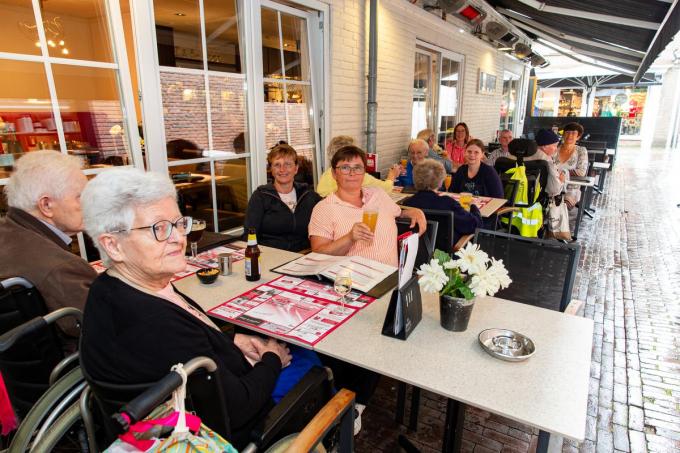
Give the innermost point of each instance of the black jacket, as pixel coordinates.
(275, 224)
(131, 337)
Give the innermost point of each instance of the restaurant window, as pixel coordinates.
(287, 78)
(436, 91)
(204, 108)
(61, 84)
(509, 101)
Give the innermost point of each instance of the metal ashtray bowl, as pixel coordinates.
(507, 344)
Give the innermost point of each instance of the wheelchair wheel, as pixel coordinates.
(53, 402)
(65, 435)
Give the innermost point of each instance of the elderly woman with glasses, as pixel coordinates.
(336, 226)
(137, 325)
(280, 212)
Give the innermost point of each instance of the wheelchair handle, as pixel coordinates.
(151, 398)
(8, 339)
(16, 281)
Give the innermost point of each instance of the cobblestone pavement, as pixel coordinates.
(629, 277)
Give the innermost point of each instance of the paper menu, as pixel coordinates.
(366, 273)
(292, 308)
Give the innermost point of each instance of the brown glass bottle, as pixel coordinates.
(252, 255)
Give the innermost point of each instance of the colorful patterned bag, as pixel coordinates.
(187, 434)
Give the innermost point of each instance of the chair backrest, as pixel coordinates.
(26, 365)
(426, 242)
(445, 233)
(542, 271)
(534, 170)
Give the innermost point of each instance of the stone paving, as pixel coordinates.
(629, 277)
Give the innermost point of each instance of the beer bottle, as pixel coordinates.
(252, 255)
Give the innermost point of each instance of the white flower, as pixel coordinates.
(498, 270)
(432, 277)
(472, 259)
(484, 283)
(451, 264)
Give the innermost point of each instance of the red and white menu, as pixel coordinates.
(291, 307)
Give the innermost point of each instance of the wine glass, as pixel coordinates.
(447, 181)
(197, 228)
(343, 284)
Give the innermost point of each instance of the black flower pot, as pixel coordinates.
(455, 312)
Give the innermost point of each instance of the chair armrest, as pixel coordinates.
(462, 242)
(574, 306)
(323, 421)
(294, 401)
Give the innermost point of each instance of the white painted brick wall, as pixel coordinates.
(400, 25)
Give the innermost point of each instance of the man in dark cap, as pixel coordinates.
(547, 142)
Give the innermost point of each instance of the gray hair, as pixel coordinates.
(419, 142)
(428, 175)
(40, 173)
(337, 142)
(110, 200)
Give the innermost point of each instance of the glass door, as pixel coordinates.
(288, 95)
(509, 101)
(425, 73)
(449, 96)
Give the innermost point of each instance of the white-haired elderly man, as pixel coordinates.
(43, 195)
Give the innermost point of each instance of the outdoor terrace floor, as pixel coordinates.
(629, 277)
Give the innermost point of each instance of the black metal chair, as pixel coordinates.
(426, 242)
(445, 232)
(542, 271)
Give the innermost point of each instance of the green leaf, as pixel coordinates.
(441, 256)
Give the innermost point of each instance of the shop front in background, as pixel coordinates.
(626, 102)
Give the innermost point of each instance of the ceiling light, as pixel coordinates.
(505, 48)
(180, 14)
(461, 30)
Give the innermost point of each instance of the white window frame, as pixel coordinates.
(450, 55)
(514, 126)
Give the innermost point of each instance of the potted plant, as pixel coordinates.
(459, 281)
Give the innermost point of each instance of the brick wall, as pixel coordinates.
(396, 53)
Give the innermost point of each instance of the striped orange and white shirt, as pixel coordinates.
(333, 218)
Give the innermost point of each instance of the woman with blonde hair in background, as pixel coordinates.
(327, 184)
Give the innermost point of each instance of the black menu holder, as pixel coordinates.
(411, 310)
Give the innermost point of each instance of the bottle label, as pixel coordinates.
(248, 267)
(252, 239)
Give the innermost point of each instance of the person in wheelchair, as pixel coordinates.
(43, 195)
(137, 325)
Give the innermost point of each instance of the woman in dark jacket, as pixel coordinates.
(428, 176)
(280, 212)
(475, 176)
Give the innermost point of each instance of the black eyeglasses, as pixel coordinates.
(348, 169)
(163, 228)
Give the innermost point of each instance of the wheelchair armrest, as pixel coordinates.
(462, 242)
(340, 405)
(291, 403)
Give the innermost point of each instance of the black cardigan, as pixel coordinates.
(131, 337)
(275, 224)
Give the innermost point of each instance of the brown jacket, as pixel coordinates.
(29, 249)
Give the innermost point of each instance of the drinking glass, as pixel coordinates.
(465, 200)
(343, 284)
(447, 181)
(197, 229)
(370, 218)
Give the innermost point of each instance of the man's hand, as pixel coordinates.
(417, 217)
(571, 202)
(393, 172)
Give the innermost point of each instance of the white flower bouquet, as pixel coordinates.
(472, 274)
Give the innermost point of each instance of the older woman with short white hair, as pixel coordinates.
(137, 325)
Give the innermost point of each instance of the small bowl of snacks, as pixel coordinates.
(208, 275)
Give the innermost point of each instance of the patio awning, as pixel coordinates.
(627, 34)
(600, 81)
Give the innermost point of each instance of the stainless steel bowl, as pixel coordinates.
(507, 344)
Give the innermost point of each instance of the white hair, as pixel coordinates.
(40, 173)
(110, 200)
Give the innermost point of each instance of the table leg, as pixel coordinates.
(401, 402)
(453, 429)
(415, 407)
(543, 441)
(579, 215)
